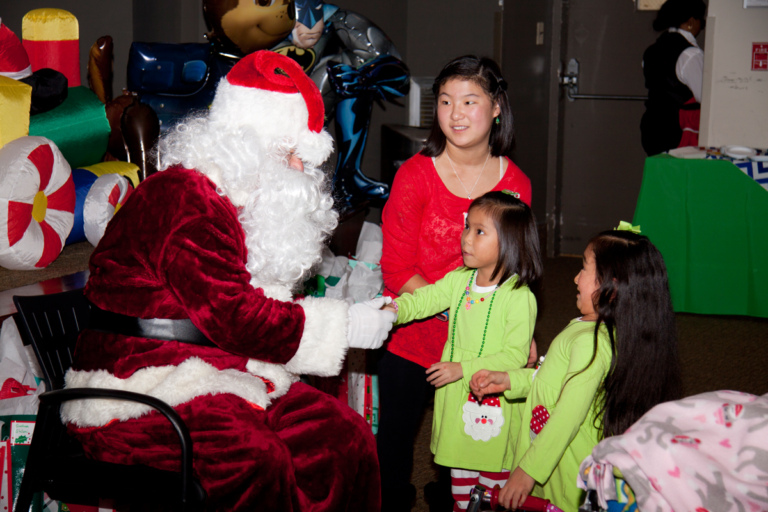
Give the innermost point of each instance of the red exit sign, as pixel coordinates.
(759, 56)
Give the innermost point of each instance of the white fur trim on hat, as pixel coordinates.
(274, 116)
(14, 61)
(18, 75)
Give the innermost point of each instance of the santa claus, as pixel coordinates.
(192, 286)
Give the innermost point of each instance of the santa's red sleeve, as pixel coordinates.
(177, 250)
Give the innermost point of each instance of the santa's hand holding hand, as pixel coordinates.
(369, 325)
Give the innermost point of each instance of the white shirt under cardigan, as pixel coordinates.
(690, 64)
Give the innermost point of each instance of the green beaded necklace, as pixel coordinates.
(456, 319)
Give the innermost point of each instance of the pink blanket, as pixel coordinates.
(705, 453)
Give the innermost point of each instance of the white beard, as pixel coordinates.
(287, 220)
(287, 215)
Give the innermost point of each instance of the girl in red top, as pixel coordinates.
(463, 158)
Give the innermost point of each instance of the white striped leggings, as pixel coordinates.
(462, 482)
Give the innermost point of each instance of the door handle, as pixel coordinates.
(570, 80)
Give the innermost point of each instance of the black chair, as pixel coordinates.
(56, 462)
(51, 324)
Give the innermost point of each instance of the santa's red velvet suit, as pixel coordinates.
(262, 440)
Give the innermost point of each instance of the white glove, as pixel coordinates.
(369, 325)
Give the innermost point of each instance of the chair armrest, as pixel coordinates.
(185, 439)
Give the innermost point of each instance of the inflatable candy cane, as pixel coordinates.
(108, 193)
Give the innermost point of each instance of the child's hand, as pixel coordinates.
(486, 382)
(441, 374)
(389, 305)
(518, 487)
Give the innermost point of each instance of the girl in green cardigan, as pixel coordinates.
(601, 373)
(492, 316)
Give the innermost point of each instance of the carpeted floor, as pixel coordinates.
(74, 258)
(717, 352)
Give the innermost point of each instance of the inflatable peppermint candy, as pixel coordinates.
(108, 193)
(37, 203)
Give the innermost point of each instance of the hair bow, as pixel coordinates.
(626, 226)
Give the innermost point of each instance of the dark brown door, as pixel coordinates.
(583, 155)
(600, 157)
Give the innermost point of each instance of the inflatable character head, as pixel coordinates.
(309, 23)
(244, 26)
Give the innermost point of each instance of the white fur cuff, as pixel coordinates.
(173, 384)
(324, 342)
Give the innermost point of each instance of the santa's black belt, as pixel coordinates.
(165, 329)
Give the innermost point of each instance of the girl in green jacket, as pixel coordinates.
(601, 373)
(492, 316)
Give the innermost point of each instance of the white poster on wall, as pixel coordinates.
(755, 3)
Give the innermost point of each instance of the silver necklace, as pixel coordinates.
(469, 192)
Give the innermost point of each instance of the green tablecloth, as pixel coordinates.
(710, 222)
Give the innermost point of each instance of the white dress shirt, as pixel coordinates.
(690, 64)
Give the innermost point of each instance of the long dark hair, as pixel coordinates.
(674, 13)
(515, 225)
(633, 302)
(485, 73)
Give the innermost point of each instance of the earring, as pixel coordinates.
(498, 121)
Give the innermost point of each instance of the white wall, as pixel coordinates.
(735, 99)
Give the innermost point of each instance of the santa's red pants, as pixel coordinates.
(306, 452)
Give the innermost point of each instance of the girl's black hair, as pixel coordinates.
(674, 13)
(485, 73)
(515, 224)
(633, 302)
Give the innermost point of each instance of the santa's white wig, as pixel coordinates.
(287, 214)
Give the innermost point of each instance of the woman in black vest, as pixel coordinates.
(673, 70)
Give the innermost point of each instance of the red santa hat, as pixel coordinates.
(272, 95)
(491, 401)
(14, 61)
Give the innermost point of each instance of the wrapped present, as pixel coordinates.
(362, 388)
(354, 279)
(16, 434)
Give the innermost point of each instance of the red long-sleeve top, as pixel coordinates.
(422, 223)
